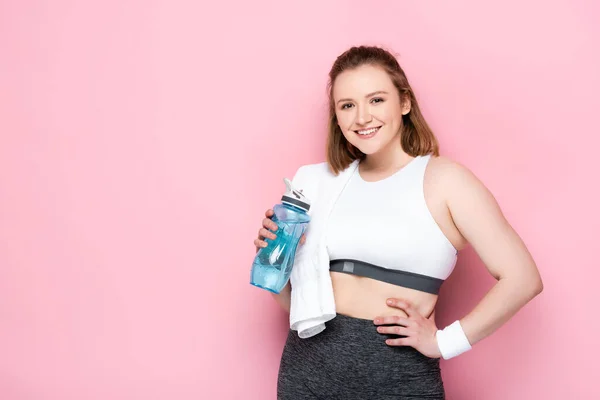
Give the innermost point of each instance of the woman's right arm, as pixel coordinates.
(284, 297)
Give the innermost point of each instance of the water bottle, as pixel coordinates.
(273, 264)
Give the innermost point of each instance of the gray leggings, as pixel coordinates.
(350, 360)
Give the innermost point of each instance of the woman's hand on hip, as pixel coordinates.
(419, 331)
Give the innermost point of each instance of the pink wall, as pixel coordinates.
(142, 141)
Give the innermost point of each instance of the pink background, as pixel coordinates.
(141, 142)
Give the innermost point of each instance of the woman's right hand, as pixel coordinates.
(266, 231)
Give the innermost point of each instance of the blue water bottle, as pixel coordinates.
(273, 264)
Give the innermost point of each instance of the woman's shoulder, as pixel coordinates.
(445, 169)
(458, 183)
(309, 175)
(313, 169)
(308, 178)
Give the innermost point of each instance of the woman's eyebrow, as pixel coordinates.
(367, 96)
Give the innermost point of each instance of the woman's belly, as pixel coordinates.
(365, 298)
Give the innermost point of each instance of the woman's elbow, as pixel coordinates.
(538, 286)
(534, 286)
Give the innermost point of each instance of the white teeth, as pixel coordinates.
(368, 131)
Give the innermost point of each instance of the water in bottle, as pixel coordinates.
(273, 264)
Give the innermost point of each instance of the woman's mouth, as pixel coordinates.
(367, 133)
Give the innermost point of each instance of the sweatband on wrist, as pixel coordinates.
(452, 340)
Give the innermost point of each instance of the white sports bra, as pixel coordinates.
(384, 230)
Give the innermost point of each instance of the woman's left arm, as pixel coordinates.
(478, 217)
(480, 220)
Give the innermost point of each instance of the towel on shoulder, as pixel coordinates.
(312, 301)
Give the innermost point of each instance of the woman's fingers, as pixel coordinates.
(393, 320)
(405, 341)
(265, 234)
(269, 224)
(265, 231)
(394, 330)
(303, 239)
(405, 306)
(259, 243)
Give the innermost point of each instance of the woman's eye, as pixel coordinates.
(377, 100)
(346, 106)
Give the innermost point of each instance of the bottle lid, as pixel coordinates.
(294, 197)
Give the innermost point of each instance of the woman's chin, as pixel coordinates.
(379, 145)
(369, 150)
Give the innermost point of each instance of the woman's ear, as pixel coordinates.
(406, 104)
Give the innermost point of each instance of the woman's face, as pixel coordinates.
(368, 108)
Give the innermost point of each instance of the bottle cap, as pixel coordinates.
(294, 197)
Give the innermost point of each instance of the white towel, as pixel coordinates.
(312, 300)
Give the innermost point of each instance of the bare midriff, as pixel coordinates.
(365, 298)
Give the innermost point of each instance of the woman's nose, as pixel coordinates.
(364, 116)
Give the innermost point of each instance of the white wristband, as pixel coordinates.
(452, 341)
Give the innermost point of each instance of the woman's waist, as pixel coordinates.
(363, 297)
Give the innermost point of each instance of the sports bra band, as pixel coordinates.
(407, 279)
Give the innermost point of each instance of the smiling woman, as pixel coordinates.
(394, 230)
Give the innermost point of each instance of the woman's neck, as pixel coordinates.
(389, 159)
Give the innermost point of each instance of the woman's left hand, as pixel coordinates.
(419, 331)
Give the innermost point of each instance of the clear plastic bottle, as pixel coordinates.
(273, 264)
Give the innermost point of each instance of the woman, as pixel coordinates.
(393, 236)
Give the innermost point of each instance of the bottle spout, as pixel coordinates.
(294, 196)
